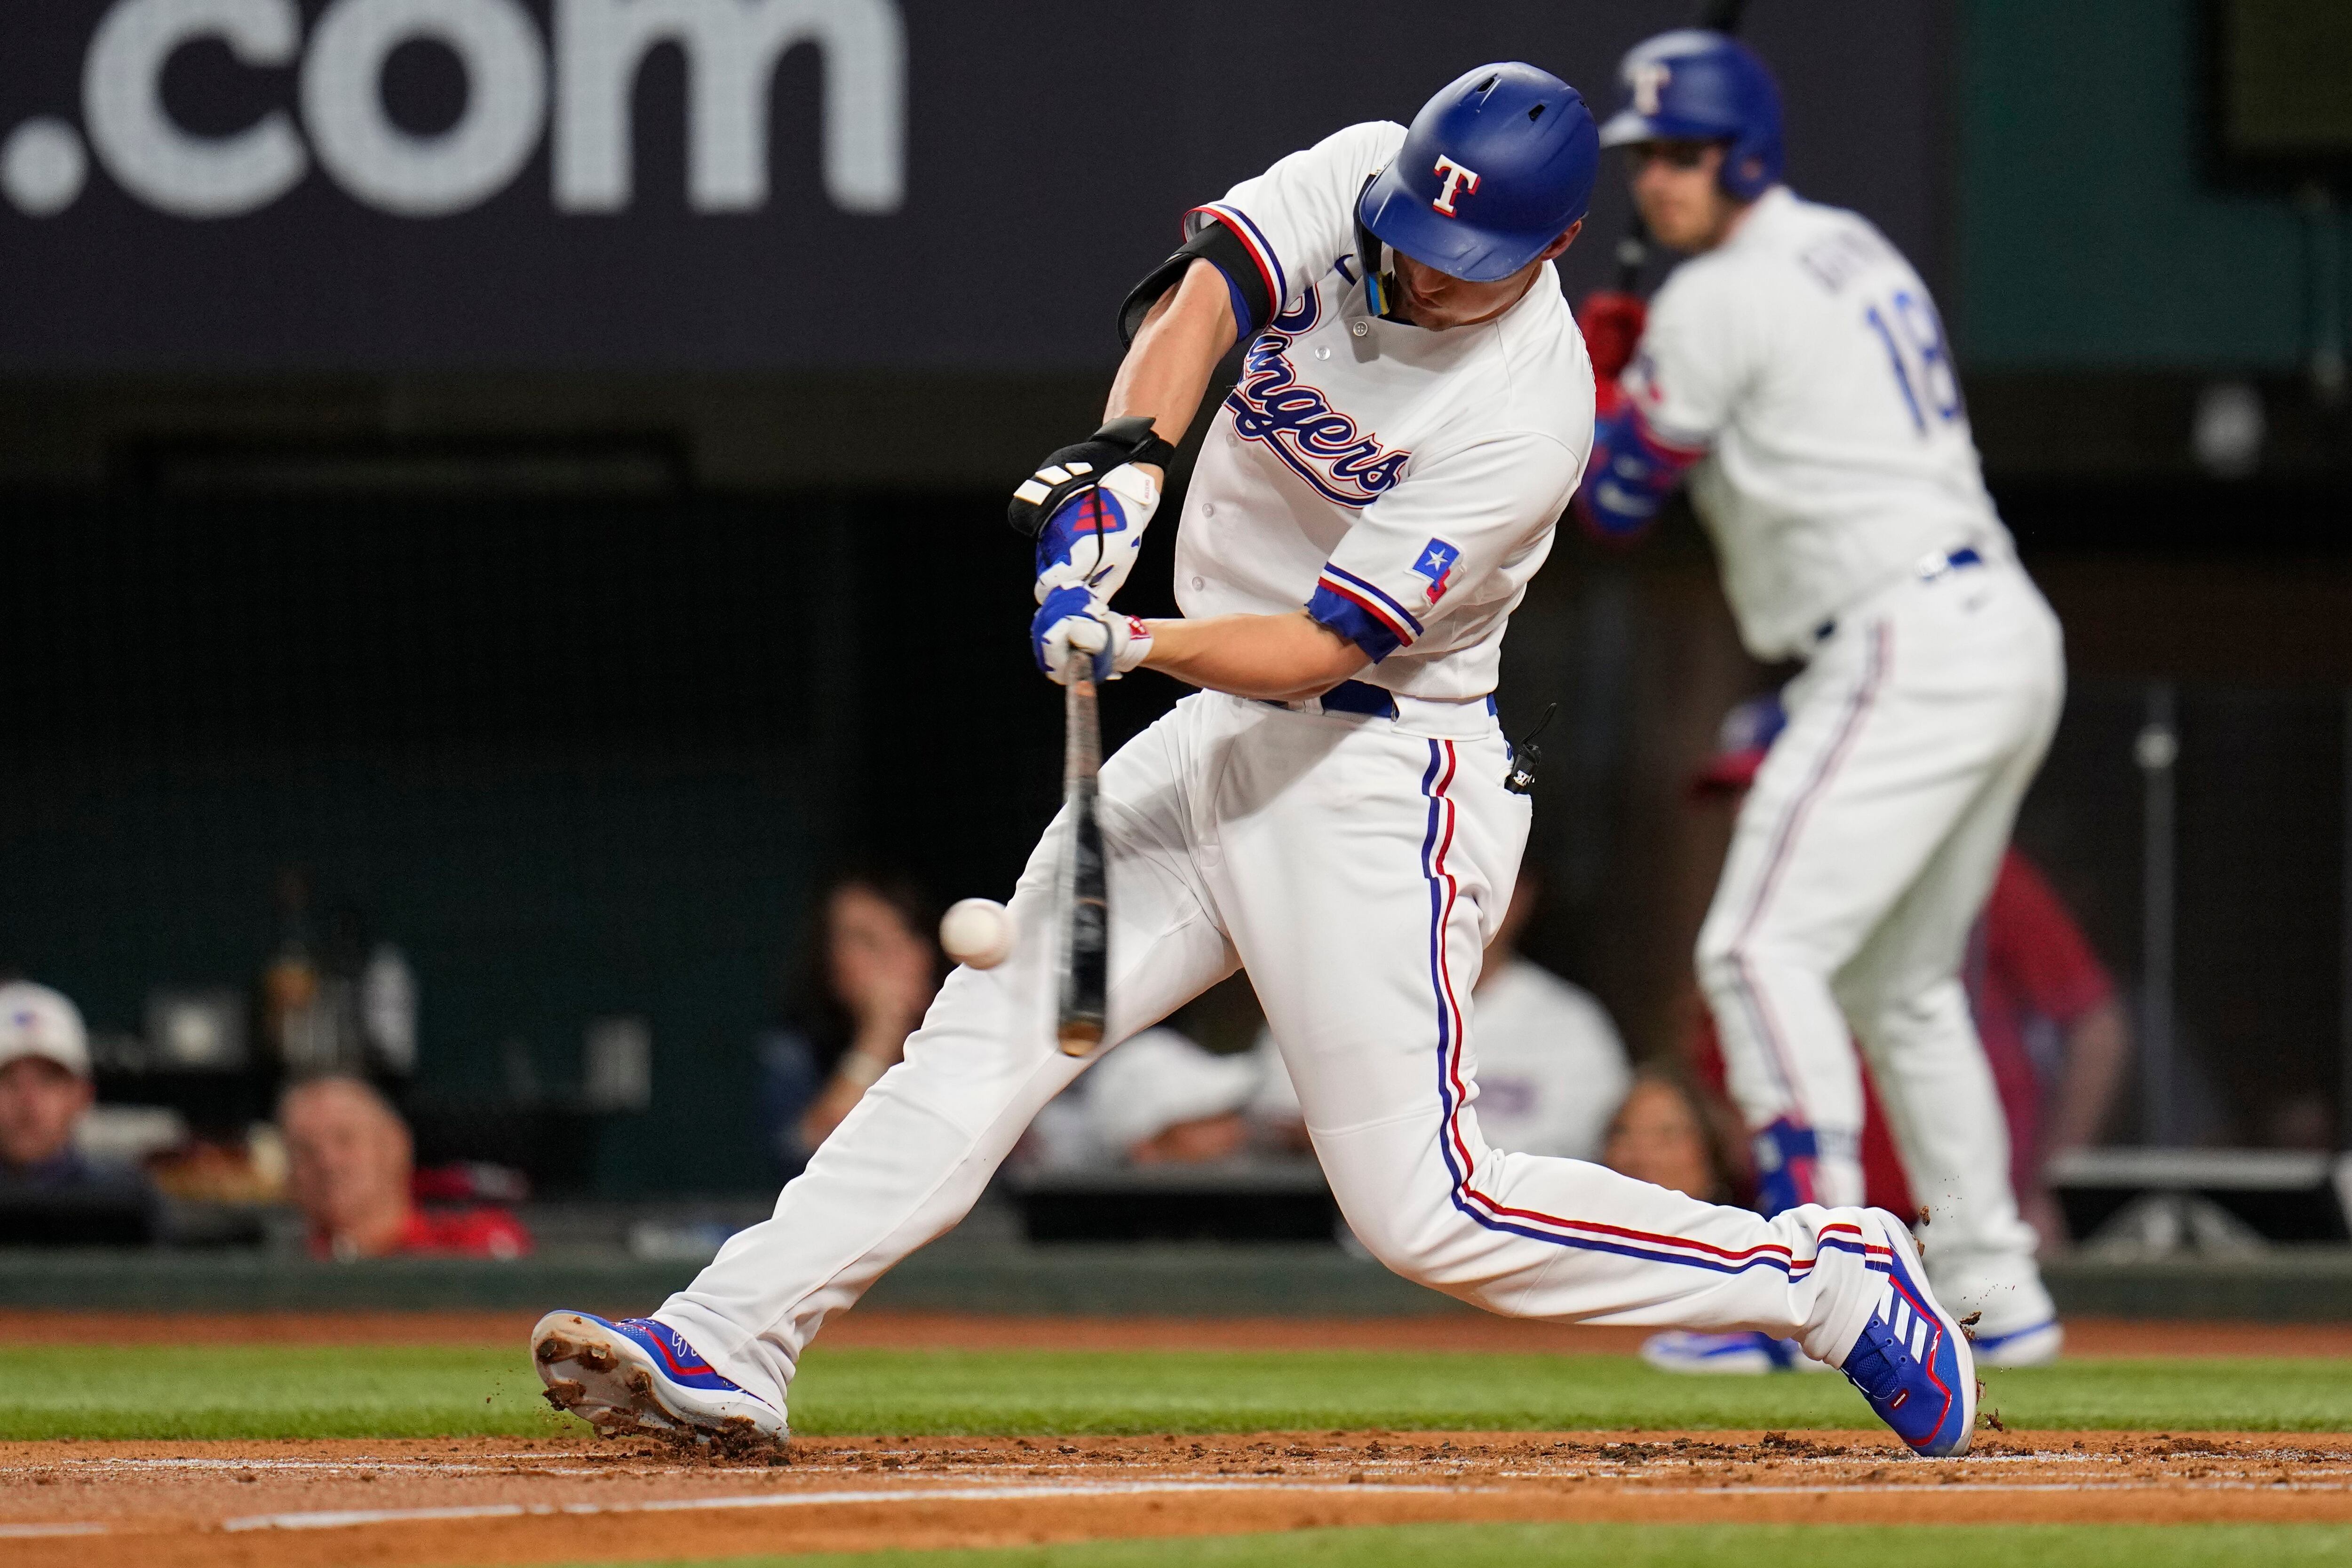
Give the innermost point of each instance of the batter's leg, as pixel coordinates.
(1360, 877)
(909, 1162)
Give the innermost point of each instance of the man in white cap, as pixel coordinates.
(1159, 1099)
(45, 1092)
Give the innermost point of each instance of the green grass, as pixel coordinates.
(165, 1392)
(265, 1391)
(1652, 1546)
(916, 1392)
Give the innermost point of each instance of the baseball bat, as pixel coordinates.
(1086, 901)
(1633, 247)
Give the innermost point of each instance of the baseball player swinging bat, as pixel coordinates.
(1330, 810)
(1634, 250)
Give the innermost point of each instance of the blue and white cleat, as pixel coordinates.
(639, 1376)
(1913, 1362)
(2036, 1346)
(1750, 1353)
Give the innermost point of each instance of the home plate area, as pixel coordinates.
(498, 1501)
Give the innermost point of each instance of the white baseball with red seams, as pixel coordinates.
(1403, 484)
(977, 932)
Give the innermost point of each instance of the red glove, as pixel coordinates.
(1612, 324)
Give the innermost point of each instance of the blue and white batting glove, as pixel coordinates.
(1092, 538)
(1073, 618)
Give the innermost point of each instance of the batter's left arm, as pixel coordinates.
(1273, 658)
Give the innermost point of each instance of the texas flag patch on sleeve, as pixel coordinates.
(1436, 563)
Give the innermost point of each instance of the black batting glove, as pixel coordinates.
(1073, 469)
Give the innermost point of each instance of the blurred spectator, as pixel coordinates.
(2054, 1031)
(1161, 1100)
(1660, 1134)
(2304, 1121)
(1551, 1066)
(868, 976)
(1158, 1099)
(44, 1093)
(1274, 1108)
(350, 1169)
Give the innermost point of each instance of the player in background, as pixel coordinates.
(2046, 1011)
(1794, 372)
(1332, 809)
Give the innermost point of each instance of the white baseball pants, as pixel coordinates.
(1356, 865)
(1858, 866)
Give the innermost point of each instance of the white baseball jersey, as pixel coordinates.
(1403, 484)
(1805, 355)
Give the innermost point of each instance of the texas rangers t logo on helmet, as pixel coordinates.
(1647, 79)
(1459, 182)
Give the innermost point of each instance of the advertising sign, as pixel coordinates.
(256, 184)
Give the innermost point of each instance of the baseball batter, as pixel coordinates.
(1330, 810)
(1795, 369)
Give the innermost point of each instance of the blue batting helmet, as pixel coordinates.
(1495, 168)
(1696, 86)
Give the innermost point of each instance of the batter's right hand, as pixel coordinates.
(1073, 618)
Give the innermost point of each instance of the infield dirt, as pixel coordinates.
(382, 1503)
(508, 1500)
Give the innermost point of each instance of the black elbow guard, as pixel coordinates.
(1254, 304)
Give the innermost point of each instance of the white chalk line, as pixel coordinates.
(354, 1518)
(306, 1466)
(348, 1518)
(37, 1531)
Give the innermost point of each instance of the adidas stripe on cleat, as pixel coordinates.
(640, 1377)
(1912, 1362)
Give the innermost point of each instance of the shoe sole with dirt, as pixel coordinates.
(595, 1375)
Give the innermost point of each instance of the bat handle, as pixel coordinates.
(1079, 1024)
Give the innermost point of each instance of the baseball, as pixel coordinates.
(977, 932)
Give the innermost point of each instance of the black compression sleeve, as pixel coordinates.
(1219, 245)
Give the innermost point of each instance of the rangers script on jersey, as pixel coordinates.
(1403, 484)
